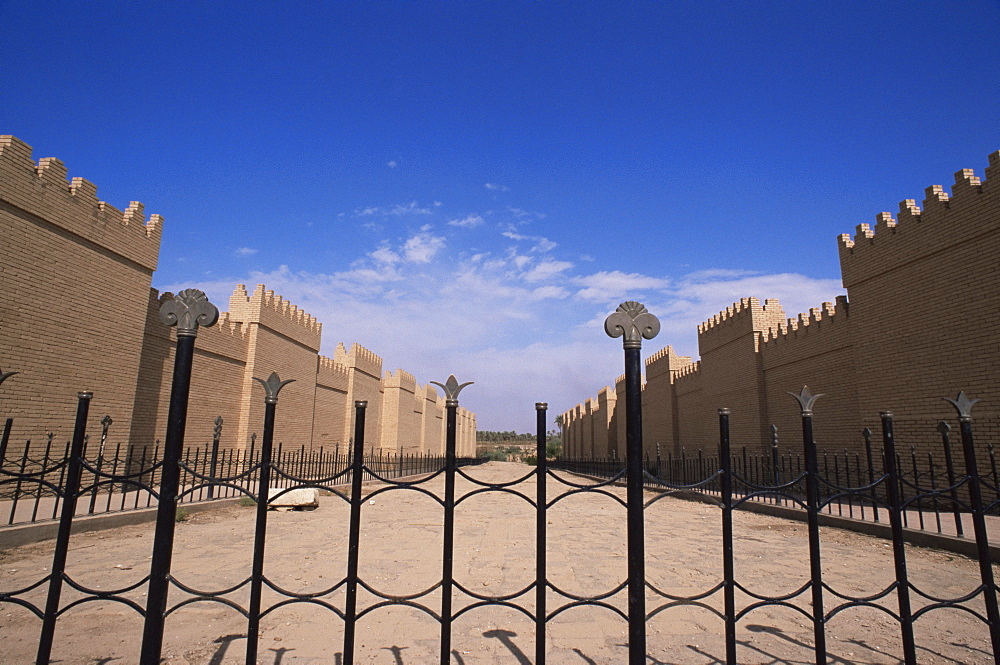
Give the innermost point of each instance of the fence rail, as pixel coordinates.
(805, 483)
(32, 484)
(933, 497)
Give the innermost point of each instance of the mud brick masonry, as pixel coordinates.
(921, 321)
(77, 312)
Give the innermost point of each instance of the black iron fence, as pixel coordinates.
(929, 486)
(541, 600)
(32, 484)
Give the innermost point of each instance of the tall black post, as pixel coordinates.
(944, 429)
(806, 400)
(728, 558)
(188, 310)
(70, 496)
(898, 550)
(963, 405)
(632, 322)
(5, 437)
(541, 580)
(451, 389)
(214, 463)
(272, 387)
(354, 533)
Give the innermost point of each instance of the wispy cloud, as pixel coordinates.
(546, 270)
(541, 244)
(411, 208)
(245, 251)
(522, 214)
(493, 187)
(422, 248)
(392, 163)
(606, 286)
(467, 222)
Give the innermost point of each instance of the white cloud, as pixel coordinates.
(547, 292)
(605, 286)
(493, 187)
(467, 222)
(422, 247)
(521, 213)
(541, 245)
(392, 164)
(385, 255)
(516, 322)
(398, 210)
(546, 270)
(245, 251)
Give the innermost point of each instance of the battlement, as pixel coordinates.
(972, 209)
(265, 308)
(331, 374)
(743, 318)
(43, 190)
(828, 314)
(402, 379)
(430, 394)
(665, 361)
(359, 358)
(688, 370)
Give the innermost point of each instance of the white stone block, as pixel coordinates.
(303, 497)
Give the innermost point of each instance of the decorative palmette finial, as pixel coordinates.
(963, 405)
(272, 387)
(189, 309)
(451, 388)
(806, 400)
(632, 320)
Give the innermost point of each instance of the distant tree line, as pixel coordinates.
(486, 436)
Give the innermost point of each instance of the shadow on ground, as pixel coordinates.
(758, 655)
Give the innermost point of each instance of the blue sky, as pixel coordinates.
(472, 187)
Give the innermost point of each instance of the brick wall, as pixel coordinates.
(919, 323)
(77, 313)
(75, 275)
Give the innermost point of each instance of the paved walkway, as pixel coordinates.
(494, 554)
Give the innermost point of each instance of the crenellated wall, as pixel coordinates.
(75, 275)
(105, 335)
(919, 323)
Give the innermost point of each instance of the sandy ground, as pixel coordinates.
(494, 554)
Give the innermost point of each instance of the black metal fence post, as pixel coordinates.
(451, 390)
(272, 387)
(806, 400)
(106, 422)
(944, 429)
(8, 424)
(898, 552)
(70, 496)
(728, 563)
(214, 464)
(633, 322)
(963, 405)
(354, 534)
(541, 580)
(188, 310)
(775, 457)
